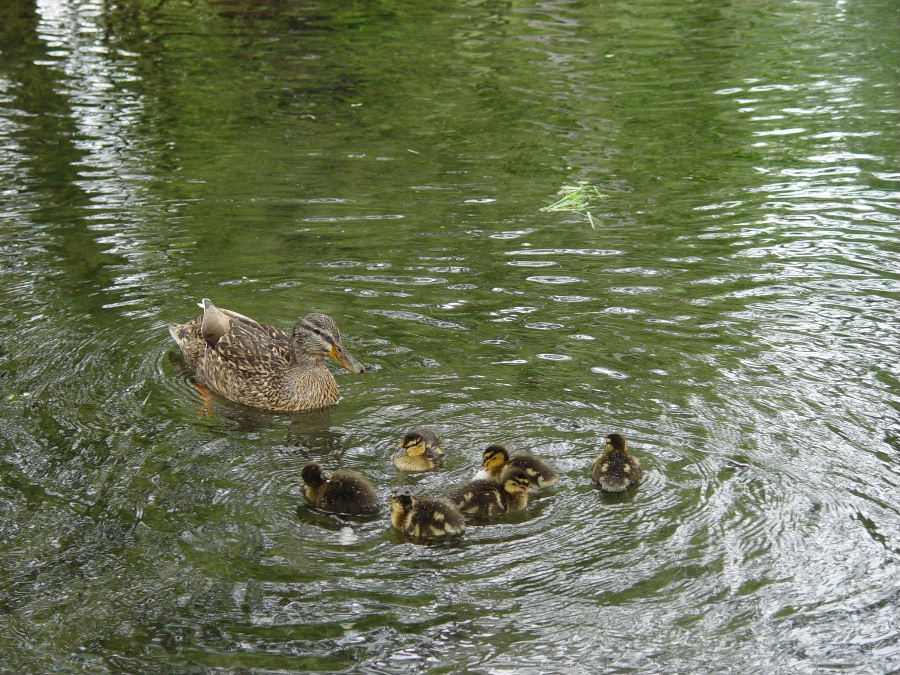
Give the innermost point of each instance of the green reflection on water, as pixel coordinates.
(386, 163)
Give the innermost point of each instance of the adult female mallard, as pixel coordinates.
(615, 469)
(495, 461)
(420, 450)
(262, 366)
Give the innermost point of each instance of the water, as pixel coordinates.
(734, 314)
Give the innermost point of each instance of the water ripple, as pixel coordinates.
(733, 314)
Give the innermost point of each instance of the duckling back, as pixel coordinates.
(478, 497)
(615, 469)
(496, 463)
(425, 517)
(487, 498)
(538, 471)
(344, 491)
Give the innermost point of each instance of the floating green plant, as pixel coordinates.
(576, 199)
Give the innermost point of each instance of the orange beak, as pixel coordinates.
(343, 359)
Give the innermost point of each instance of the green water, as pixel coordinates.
(734, 314)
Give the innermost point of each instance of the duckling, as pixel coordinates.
(486, 498)
(615, 469)
(344, 491)
(420, 450)
(424, 517)
(495, 460)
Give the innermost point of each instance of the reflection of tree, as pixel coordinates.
(45, 135)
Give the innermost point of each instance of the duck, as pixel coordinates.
(615, 469)
(495, 460)
(425, 517)
(487, 498)
(344, 491)
(420, 450)
(262, 366)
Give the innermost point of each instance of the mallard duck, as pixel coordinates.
(615, 468)
(262, 366)
(495, 460)
(420, 450)
(344, 491)
(425, 517)
(486, 498)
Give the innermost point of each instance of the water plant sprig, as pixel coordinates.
(576, 199)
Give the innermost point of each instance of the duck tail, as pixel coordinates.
(613, 484)
(179, 333)
(187, 337)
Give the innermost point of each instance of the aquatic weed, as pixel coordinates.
(577, 199)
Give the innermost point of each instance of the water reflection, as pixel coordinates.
(733, 315)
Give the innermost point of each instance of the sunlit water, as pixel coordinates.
(734, 314)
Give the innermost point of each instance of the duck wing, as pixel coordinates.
(252, 347)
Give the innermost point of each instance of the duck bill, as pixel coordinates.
(344, 360)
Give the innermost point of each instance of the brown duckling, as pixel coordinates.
(615, 469)
(495, 460)
(420, 450)
(344, 491)
(486, 498)
(425, 517)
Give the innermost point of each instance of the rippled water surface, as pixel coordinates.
(734, 313)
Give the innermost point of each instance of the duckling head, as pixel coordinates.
(316, 336)
(516, 482)
(414, 444)
(615, 442)
(494, 457)
(401, 504)
(312, 475)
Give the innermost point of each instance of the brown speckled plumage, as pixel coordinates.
(615, 469)
(486, 498)
(344, 491)
(262, 366)
(425, 517)
(496, 462)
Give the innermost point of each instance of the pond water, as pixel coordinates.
(734, 313)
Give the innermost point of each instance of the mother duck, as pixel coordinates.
(262, 366)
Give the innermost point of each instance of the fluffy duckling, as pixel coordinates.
(344, 491)
(486, 498)
(420, 450)
(495, 460)
(424, 517)
(615, 469)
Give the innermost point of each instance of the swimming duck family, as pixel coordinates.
(264, 367)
